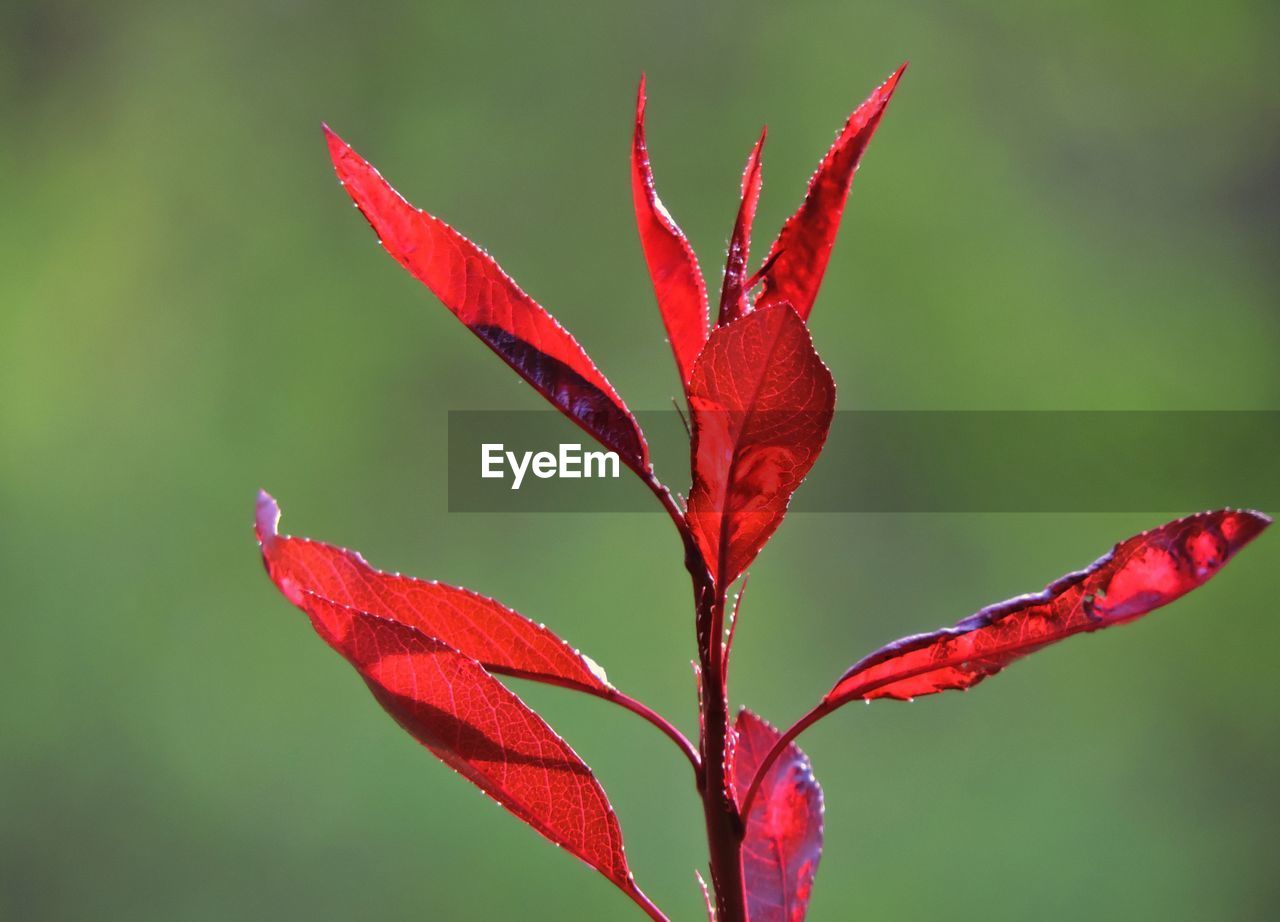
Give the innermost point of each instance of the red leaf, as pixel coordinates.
(310, 573)
(447, 702)
(733, 296)
(476, 290)
(783, 841)
(761, 401)
(1137, 576)
(707, 901)
(803, 247)
(677, 280)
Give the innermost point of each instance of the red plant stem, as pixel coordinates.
(631, 704)
(625, 701)
(808, 720)
(652, 911)
(724, 822)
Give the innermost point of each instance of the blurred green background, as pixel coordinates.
(1069, 207)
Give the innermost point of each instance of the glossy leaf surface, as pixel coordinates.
(476, 290)
(783, 842)
(450, 704)
(733, 295)
(310, 573)
(761, 402)
(677, 280)
(803, 247)
(1140, 574)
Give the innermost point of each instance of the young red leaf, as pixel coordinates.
(733, 296)
(783, 840)
(677, 280)
(706, 896)
(1140, 574)
(450, 704)
(761, 402)
(803, 247)
(310, 573)
(476, 290)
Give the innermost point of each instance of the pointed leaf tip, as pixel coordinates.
(803, 248)
(733, 294)
(337, 146)
(678, 285)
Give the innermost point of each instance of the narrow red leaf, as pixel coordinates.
(476, 290)
(310, 573)
(733, 296)
(1139, 575)
(476, 726)
(783, 841)
(803, 247)
(761, 402)
(677, 281)
(707, 902)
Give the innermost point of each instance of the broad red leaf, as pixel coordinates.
(733, 296)
(450, 704)
(492, 306)
(677, 280)
(1137, 576)
(761, 402)
(783, 840)
(803, 247)
(310, 573)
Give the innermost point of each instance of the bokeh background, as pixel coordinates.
(1069, 206)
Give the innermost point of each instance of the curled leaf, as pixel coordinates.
(783, 840)
(761, 403)
(677, 281)
(799, 256)
(476, 290)
(1139, 575)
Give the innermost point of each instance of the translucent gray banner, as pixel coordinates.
(892, 461)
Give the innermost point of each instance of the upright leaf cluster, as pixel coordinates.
(761, 403)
